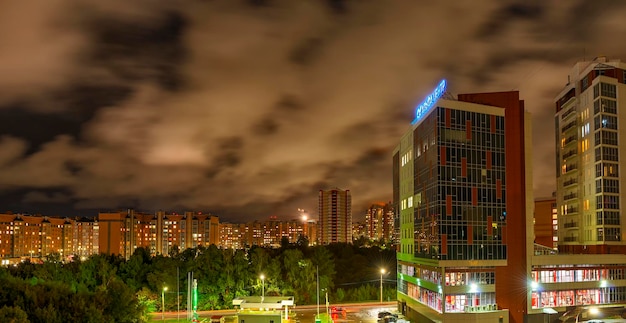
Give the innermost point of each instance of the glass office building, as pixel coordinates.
(450, 189)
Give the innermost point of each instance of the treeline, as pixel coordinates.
(111, 289)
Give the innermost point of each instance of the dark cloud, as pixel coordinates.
(140, 50)
(266, 126)
(247, 108)
(338, 6)
(258, 3)
(307, 51)
(508, 14)
(38, 128)
(289, 103)
(82, 100)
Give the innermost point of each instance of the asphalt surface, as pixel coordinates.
(355, 312)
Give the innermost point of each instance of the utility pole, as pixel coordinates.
(177, 294)
(317, 318)
(382, 272)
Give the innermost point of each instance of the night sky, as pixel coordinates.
(247, 109)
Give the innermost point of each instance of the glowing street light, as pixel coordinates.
(382, 272)
(262, 287)
(163, 303)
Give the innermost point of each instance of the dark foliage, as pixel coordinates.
(111, 289)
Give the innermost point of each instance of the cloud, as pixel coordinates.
(11, 150)
(42, 197)
(247, 109)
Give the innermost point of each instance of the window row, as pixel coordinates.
(457, 176)
(609, 234)
(606, 153)
(480, 239)
(607, 202)
(562, 298)
(465, 302)
(607, 186)
(458, 118)
(467, 278)
(607, 170)
(605, 105)
(469, 157)
(576, 275)
(475, 251)
(605, 137)
(424, 296)
(607, 218)
(605, 121)
(605, 89)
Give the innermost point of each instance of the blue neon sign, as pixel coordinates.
(430, 100)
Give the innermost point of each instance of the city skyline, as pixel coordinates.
(248, 109)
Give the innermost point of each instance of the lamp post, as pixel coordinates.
(317, 268)
(262, 287)
(382, 271)
(163, 303)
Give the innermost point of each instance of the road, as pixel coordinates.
(357, 312)
(361, 312)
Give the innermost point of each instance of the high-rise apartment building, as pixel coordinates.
(379, 222)
(586, 279)
(590, 127)
(461, 188)
(335, 216)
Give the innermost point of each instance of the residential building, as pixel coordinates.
(267, 234)
(587, 278)
(359, 230)
(161, 233)
(86, 237)
(335, 216)
(33, 237)
(589, 126)
(379, 222)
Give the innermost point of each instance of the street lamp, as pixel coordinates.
(382, 272)
(163, 303)
(262, 287)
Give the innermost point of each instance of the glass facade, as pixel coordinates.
(460, 207)
(606, 163)
(574, 297)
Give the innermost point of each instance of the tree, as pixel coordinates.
(134, 272)
(324, 263)
(121, 305)
(13, 314)
(299, 273)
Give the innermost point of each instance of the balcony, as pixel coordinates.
(569, 168)
(570, 210)
(570, 225)
(569, 126)
(570, 153)
(570, 140)
(570, 196)
(570, 239)
(568, 113)
(570, 181)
